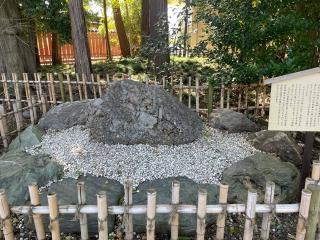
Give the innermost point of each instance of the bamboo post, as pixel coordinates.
(54, 214)
(189, 92)
(93, 86)
(36, 85)
(264, 93)
(197, 96)
(6, 89)
(174, 214)
(61, 84)
(3, 126)
(303, 214)
(99, 85)
(171, 83)
(84, 82)
(49, 88)
(313, 212)
(39, 83)
(221, 221)
(108, 79)
(164, 82)
(44, 104)
(267, 217)
(151, 214)
(17, 115)
(210, 99)
(250, 215)
(128, 225)
(228, 97)
(201, 214)
(147, 80)
(246, 100)
(180, 90)
(102, 215)
(82, 217)
(69, 88)
(308, 182)
(31, 111)
(16, 86)
(37, 218)
(222, 96)
(79, 87)
(26, 85)
(5, 216)
(54, 99)
(315, 175)
(34, 106)
(256, 112)
(239, 100)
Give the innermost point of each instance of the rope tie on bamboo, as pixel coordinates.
(77, 213)
(100, 223)
(51, 222)
(173, 213)
(151, 221)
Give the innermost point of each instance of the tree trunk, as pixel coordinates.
(15, 55)
(56, 54)
(33, 41)
(159, 30)
(108, 47)
(145, 21)
(185, 34)
(80, 38)
(123, 39)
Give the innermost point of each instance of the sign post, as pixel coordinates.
(295, 106)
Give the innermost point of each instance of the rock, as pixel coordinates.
(255, 171)
(188, 195)
(67, 194)
(226, 119)
(31, 136)
(66, 115)
(279, 143)
(19, 169)
(135, 113)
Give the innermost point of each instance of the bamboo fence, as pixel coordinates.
(307, 209)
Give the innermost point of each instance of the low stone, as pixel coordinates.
(66, 115)
(31, 136)
(226, 119)
(135, 113)
(188, 195)
(66, 191)
(19, 169)
(279, 143)
(254, 171)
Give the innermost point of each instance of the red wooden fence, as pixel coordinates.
(97, 44)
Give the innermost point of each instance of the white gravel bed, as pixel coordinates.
(203, 160)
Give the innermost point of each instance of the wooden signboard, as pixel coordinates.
(295, 106)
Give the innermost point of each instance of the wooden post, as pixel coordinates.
(315, 175)
(53, 91)
(69, 88)
(174, 215)
(16, 110)
(128, 225)
(309, 181)
(221, 221)
(31, 111)
(313, 212)
(210, 99)
(201, 214)
(34, 107)
(228, 97)
(16, 86)
(246, 100)
(99, 85)
(54, 214)
(84, 82)
(171, 83)
(303, 214)
(82, 217)
(147, 80)
(189, 92)
(108, 79)
(79, 87)
(6, 89)
(264, 94)
(43, 104)
(102, 215)
(164, 82)
(38, 76)
(250, 215)
(5, 216)
(3, 126)
(61, 83)
(267, 217)
(37, 218)
(256, 112)
(93, 86)
(197, 96)
(35, 84)
(180, 90)
(151, 214)
(26, 85)
(222, 96)
(307, 156)
(239, 99)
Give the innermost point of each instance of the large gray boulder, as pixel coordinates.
(279, 143)
(135, 113)
(66, 191)
(66, 115)
(19, 169)
(188, 195)
(31, 136)
(226, 119)
(254, 171)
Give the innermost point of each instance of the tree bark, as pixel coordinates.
(56, 54)
(123, 39)
(108, 47)
(145, 21)
(80, 38)
(33, 41)
(16, 55)
(185, 34)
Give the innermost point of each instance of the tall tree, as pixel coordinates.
(79, 38)
(123, 38)
(108, 47)
(145, 21)
(55, 49)
(16, 54)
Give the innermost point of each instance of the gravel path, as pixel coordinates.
(203, 160)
